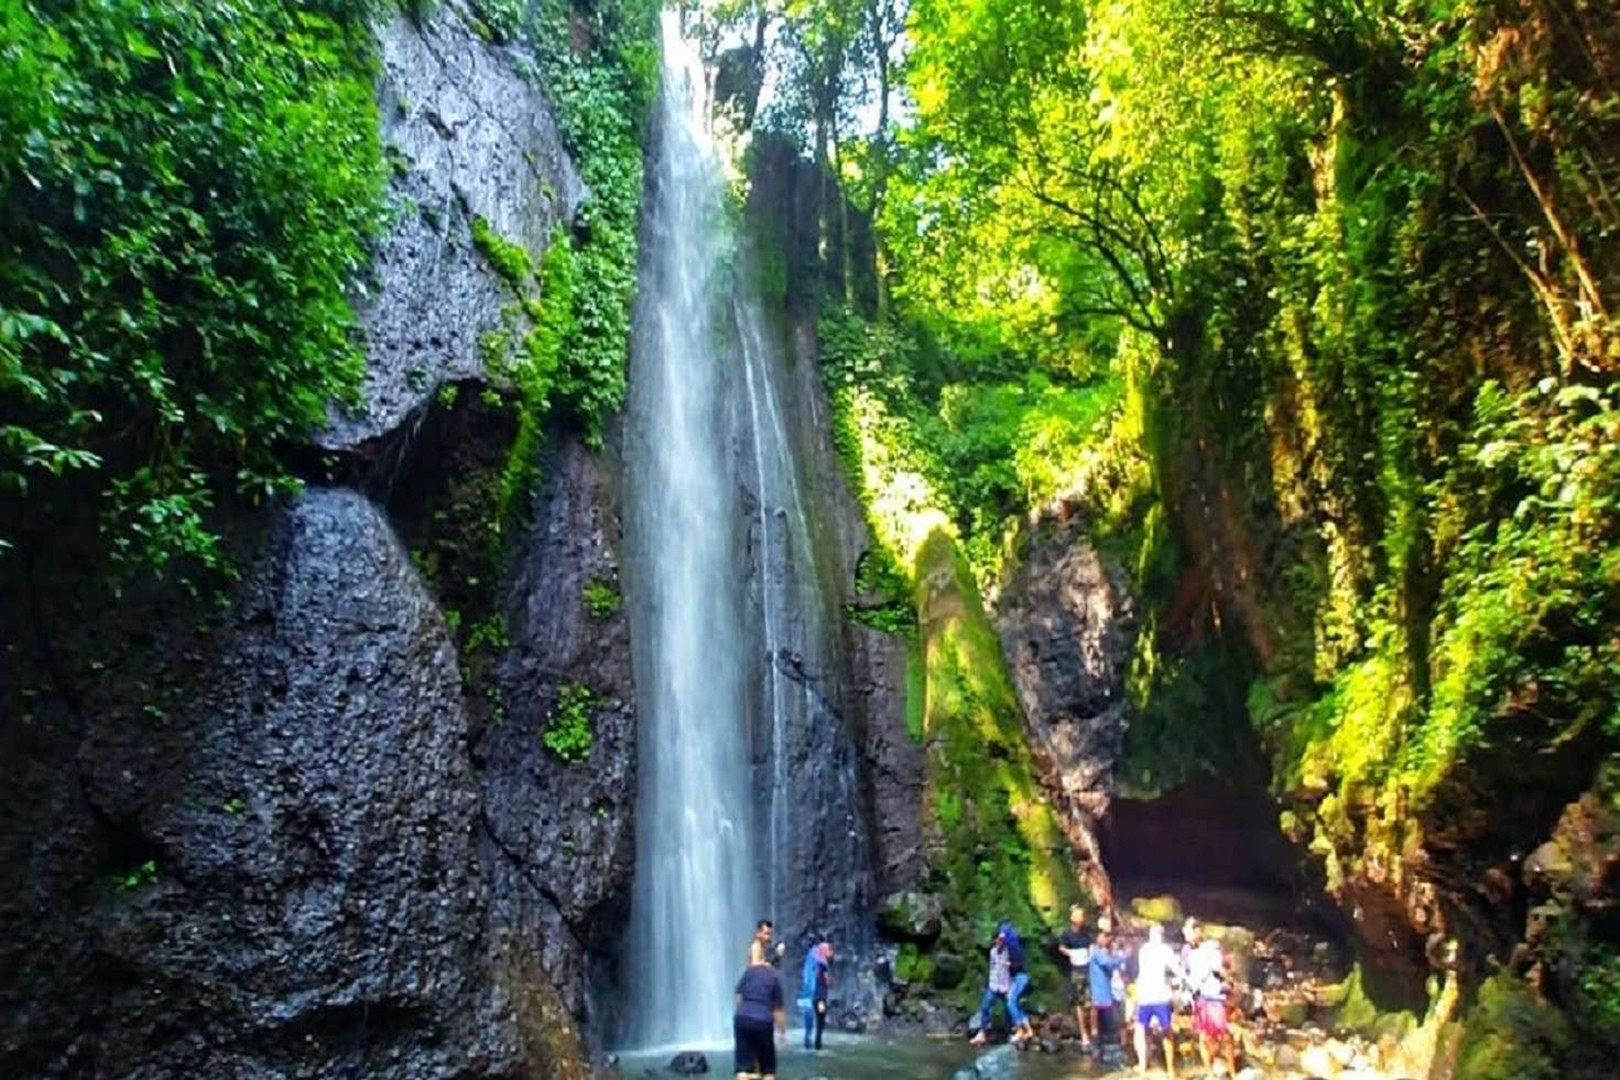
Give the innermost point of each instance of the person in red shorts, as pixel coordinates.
(1205, 967)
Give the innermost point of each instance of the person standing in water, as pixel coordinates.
(1205, 965)
(814, 989)
(1007, 981)
(759, 949)
(1075, 945)
(1100, 968)
(759, 1005)
(1156, 968)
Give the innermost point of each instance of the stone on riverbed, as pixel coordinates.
(997, 1064)
(689, 1063)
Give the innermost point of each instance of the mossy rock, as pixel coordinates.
(1002, 854)
(1350, 1005)
(913, 967)
(1292, 1013)
(1158, 909)
(910, 916)
(949, 970)
(1512, 1034)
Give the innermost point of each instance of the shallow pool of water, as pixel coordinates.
(850, 1057)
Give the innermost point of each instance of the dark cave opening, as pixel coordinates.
(1217, 848)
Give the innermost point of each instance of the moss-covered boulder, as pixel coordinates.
(1513, 1034)
(910, 916)
(1000, 851)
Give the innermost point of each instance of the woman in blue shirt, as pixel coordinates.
(1100, 971)
(814, 986)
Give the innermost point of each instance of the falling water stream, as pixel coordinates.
(747, 802)
(697, 871)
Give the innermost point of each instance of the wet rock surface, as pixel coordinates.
(559, 844)
(470, 138)
(271, 872)
(818, 678)
(1067, 625)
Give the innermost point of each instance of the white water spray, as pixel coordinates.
(697, 874)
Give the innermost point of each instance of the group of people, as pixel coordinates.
(760, 1004)
(1115, 992)
(1119, 994)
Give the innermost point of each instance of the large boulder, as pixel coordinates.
(910, 916)
(472, 139)
(270, 867)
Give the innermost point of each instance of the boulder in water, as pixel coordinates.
(997, 1064)
(949, 970)
(689, 1063)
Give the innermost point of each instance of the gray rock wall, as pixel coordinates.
(470, 138)
(257, 858)
(1067, 627)
(558, 838)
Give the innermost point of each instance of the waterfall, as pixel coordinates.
(748, 802)
(697, 870)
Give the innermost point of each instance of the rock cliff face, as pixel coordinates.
(852, 778)
(257, 849)
(1067, 625)
(470, 139)
(558, 843)
(286, 835)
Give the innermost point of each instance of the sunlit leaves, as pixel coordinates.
(187, 191)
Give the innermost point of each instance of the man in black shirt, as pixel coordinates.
(1075, 945)
(759, 1004)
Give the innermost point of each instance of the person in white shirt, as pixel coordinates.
(1205, 966)
(1156, 968)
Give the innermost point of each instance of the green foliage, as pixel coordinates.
(1513, 1035)
(510, 260)
(1599, 981)
(532, 372)
(487, 634)
(1285, 307)
(568, 732)
(497, 20)
(144, 874)
(601, 598)
(1186, 715)
(188, 189)
(602, 98)
(884, 602)
(233, 805)
(956, 438)
(913, 966)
